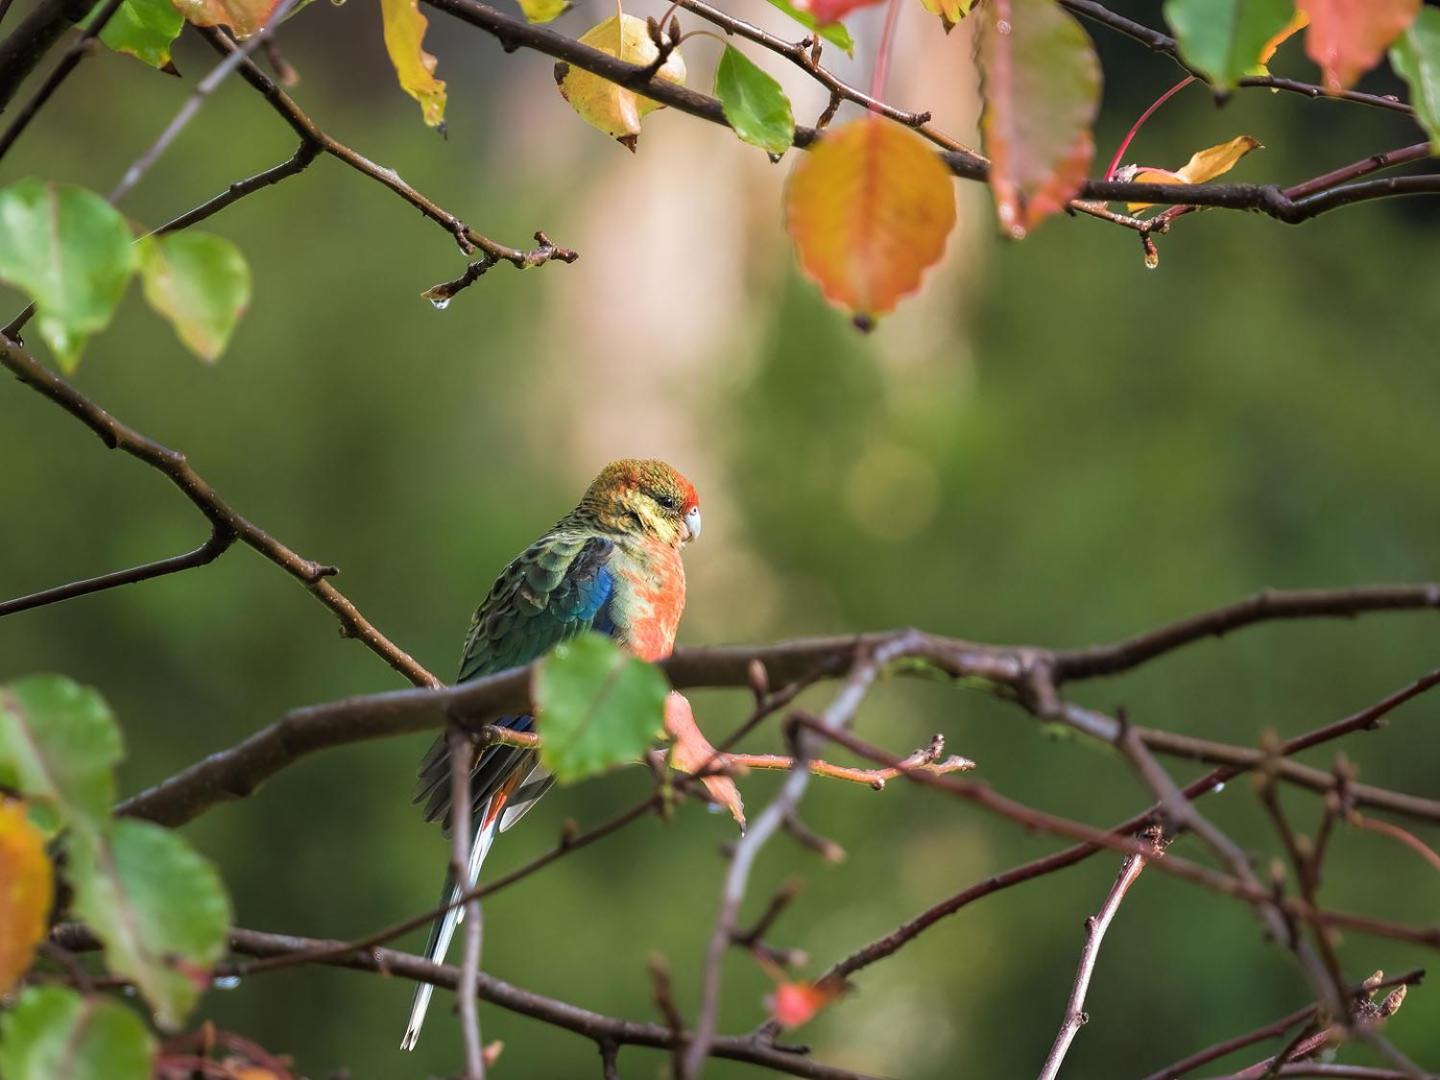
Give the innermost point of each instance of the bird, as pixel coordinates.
(611, 565)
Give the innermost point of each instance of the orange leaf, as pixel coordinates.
(242, 16)
(869, 211)
(796, 1003)
(1348, 37)
(1042, 91)
(26, 890)
(414, 67)
(1297, 22)
(1203, 165)
(692, 752)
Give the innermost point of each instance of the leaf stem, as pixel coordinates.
(1135, 128)
(882, 54)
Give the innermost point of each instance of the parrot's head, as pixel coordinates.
(645, 498)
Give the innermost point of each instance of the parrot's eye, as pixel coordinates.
(666, 502)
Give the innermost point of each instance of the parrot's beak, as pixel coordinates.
(692, 523)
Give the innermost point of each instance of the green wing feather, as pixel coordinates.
(556, 588)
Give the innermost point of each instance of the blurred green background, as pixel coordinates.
(1051, 445)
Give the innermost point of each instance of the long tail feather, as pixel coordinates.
(443, 929)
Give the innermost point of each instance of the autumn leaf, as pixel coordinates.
(242, 16)
(1042, 91)
(608, 106)
(831, 11)
(143, 28)
(796, 1003)
(200, 282)
(414, 67)
(691, 752)
(1297, 22)
(1348, 37)
(1203, 165)
(869, 211)
(26, 891)
(950, 11)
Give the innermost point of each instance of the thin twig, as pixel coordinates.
(1095, 927)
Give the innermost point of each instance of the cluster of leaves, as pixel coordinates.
(158, 907)
(73, 254)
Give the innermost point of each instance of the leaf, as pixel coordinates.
(200, 282)
(143, 28)
(158, 906)
(691, 752)
(869, 210)
(597, 707)
(58, 744)
(1298, 22)
(834, 32)
(1416, 59)
(1348, 37)
(1203, 165)
(242, 16)
(27, 888)
(608, 106)
(415, 68)
(1226, 39)
(950, 11)
(53, 1032)
(754, 104)
(1042, 90)
(543, 11)
(831, 11)
(796, 1003)
(70, 251)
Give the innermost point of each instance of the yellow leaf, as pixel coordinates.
(691, 752)
(950, 11)
(543, 11)
(869, 210)
(415, 68)
(1203, 165)
(606, 105)
(26, 891)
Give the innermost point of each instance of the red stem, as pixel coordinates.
(882, 56)
(1135, 129)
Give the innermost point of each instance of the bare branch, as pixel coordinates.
(462, 757)
(1095, 927)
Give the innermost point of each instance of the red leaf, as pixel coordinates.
(869, 210)
(796, 1003)
(1042, 91)
(1348, 37)
(829, 11)
(242, 16)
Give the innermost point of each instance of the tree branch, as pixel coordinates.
(173, 465)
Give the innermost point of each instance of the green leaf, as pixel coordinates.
(1416, 59)
(835, 33)
(70, 251)
(143, 28)
(58, 744)
(598, 707)
(1225, 39)
(200, 282)
(754, 104)
(159, 907)
(54, 1032)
